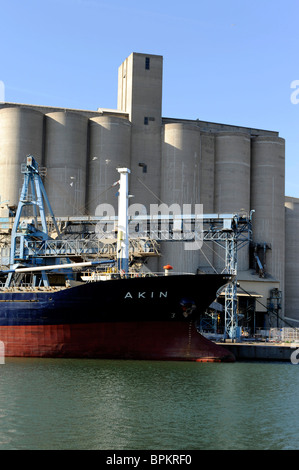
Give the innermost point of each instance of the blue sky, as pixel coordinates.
(230, 62)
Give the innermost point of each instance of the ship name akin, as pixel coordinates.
(146, 295)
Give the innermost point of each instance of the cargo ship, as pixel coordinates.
(121, 316)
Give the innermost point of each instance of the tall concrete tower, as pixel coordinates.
(140, 95)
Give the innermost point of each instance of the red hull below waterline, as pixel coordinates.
(113, 340)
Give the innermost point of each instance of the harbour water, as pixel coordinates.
(65, 404)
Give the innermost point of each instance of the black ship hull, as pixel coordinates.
(151, 317)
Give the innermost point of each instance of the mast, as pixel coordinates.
(122, 234)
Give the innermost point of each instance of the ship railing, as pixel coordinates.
(156, 274)
(173, 273)
(94, 275)
(27, 287)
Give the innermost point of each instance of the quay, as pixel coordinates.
(263, 351)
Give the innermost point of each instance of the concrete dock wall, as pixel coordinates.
(263, 351)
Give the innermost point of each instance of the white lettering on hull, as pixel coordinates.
(146, 295)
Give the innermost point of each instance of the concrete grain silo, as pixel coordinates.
(21, 134)
(140, 95)
(292, 260)
(232, 181)
(207, 171)
(66, 159)
(180, 184)
(267, 199)
(207, 193)
(109, 148)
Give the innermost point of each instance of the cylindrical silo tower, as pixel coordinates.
(207, 180)
(180, 184)
(207, 171)
(109, 148)
(21, 134)
(267, 199)
(292, 259)
(66, 159)
(232, 183)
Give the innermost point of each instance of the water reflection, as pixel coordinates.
(86, 404)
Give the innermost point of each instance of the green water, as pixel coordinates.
(62, 404)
